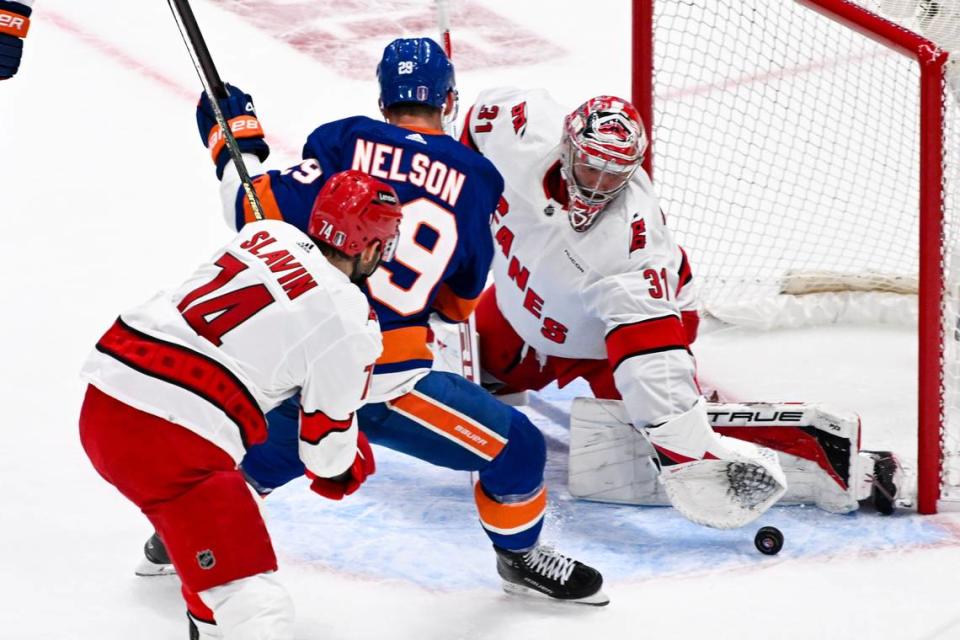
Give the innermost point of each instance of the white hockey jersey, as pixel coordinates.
(614, 292)
(267, 318)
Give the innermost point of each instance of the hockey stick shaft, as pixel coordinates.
(469, 349)
(213, 85)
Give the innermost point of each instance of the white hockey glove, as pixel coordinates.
(711, 479)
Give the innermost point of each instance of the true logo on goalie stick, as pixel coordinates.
(745, 418)
(206, 560)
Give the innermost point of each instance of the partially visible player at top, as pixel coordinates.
(442, 260)
(589, 281)
(14, 25)
(178, 389)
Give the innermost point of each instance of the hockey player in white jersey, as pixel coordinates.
(590, 283)
(178, 389)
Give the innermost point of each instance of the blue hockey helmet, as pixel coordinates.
(415, 70)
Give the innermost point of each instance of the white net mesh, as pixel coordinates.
(785, 145)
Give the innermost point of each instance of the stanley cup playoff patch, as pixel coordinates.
(205, 559)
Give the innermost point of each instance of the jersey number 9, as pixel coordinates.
(427, 263)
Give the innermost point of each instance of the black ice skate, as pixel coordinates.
(155, 561)
(545, 572)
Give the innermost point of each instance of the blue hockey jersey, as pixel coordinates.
(445, 247)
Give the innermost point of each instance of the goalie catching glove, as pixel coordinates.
(711, 479)
(350, 480)
(238, 111)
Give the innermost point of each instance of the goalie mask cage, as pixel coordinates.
(812, 136)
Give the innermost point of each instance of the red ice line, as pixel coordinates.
(313, 29)
(129, 61)
(144, 69)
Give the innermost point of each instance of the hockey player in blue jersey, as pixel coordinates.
(441, 263)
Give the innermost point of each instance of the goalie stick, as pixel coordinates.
(213, 85)
(443, 21)
(469, 348)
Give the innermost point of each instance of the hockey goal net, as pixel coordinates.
(805, 150)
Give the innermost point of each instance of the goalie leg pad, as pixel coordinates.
(817, 448)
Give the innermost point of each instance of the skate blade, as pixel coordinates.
(147, 569)
(598, 599)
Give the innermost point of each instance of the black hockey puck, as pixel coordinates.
(768, 541)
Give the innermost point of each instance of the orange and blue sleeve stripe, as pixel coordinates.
(453, 307)
(282, 198)
(403, 349)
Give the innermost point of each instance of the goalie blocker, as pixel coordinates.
(818, 450)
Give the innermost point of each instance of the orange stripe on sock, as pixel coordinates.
(510, 517)
(450, 424)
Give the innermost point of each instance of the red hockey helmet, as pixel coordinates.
(603, 144)
(352, 210)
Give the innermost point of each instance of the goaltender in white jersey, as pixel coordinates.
(621, 283)
(589, 282)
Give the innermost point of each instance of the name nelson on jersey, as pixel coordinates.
(432, 175)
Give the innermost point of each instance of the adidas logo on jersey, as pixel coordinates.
(306, 246)
(416, 137)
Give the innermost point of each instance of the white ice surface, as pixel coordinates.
(108, 196)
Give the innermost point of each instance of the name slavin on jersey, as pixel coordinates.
(296, 280)
(550, 329)
(436, 177)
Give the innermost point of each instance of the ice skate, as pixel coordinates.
(155, 560)
(544, 572)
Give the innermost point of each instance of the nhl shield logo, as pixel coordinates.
(422, 93)
(205, 559)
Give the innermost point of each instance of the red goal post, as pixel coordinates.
(705, 66)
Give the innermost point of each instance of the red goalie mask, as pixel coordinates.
(603, 144)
